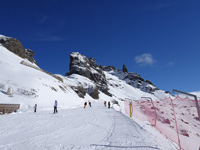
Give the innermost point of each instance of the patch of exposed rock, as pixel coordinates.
(131, 78)
(89, 68)
(16, 47)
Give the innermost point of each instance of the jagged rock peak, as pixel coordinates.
(89, 68)
(16, 47)
(124, 69)
(107, 68)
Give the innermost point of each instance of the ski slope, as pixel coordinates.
(95, 127)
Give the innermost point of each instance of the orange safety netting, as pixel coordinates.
(177, 119)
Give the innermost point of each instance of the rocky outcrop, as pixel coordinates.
(108, 68)
(124, 69)
(29, 55)
(89, 68)
(137, 81)
(16, 47)
(131, 78)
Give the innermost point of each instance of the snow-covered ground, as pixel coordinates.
(95, 127)
(73, 127)
(32, 86)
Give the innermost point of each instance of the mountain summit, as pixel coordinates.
(89, 68)
(85, 80)
(16, 47)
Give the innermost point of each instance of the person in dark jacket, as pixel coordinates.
(109, 104)
(90, 104)
(35, 108)
(55, 107)
(105, 103)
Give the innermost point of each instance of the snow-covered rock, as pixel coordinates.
(16, 47)
(89, 68)
(86, 80)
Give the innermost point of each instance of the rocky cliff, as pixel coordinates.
(89, 68)
(86, 67)
(16, 47)
(131, 78)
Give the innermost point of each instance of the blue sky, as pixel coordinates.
(158, 39)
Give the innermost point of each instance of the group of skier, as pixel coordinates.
(85, 104)
(108, 104)
(56, 105)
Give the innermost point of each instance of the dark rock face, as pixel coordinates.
(124, 69)
(131, 78)
(89, 68)
(94, 93)
(107, 68)
(137, 81)
(16, 47)
(80, 91)
(29, 55)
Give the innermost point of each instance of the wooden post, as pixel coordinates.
(130, 107)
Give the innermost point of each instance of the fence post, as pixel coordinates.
(130, 106)
(195, 98)
(179, 143)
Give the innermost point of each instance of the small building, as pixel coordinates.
(8, 108)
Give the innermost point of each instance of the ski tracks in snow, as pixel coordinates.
(124, 134)
(93, 128)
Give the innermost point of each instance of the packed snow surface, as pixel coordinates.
(73, 127)
(95, 127)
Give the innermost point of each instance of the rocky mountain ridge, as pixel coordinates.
(86, 67)
(16, 47)
(89, 68)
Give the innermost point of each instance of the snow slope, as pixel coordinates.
(110, 130)
(32, 85)
(95, 127)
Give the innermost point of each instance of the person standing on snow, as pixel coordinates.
(85, 104)
(55, 107)
(90, 104)
(35, 108)
(105, 103)
(109, 104)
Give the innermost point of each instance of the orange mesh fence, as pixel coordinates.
(128, 108)
(166, 119)
(144, 110)
(177, 119)
(187, 123)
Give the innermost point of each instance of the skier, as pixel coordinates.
(109, 104)
(35, 108)
(55, 107)
(85, 104)
(90, 104)
(105, 103)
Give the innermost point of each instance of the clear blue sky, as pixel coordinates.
(158, 39)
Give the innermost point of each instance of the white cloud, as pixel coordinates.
(145, 60)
